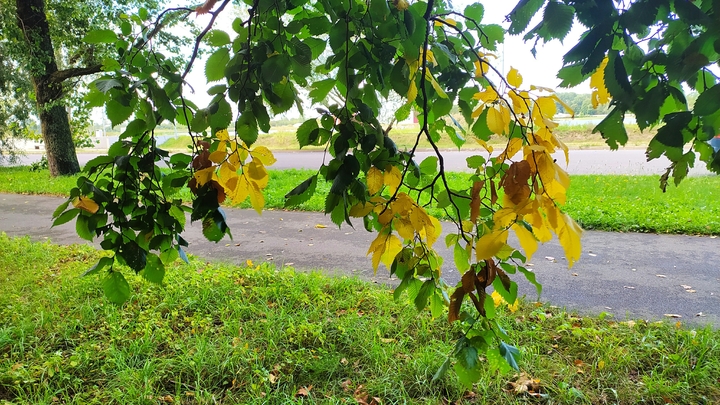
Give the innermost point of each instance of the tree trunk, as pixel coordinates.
(59, 145)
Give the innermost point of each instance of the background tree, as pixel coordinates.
(44, 62)
(434, 58)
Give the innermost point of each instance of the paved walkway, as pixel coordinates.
(624, 274)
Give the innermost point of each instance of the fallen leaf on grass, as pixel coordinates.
(523, 384)
(303, 392)
(345, 385)
(673, 315)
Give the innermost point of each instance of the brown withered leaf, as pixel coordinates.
(493, 193)
(524, 385)
(303, 392)
(475, 202)
(456, 300)
(515, 181)
(202, 161)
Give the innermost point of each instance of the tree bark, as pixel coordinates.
(61, 156)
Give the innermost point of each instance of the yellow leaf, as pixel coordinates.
(495, 121)
(222, 135)
(478, 111)
(513, 147)
(565, 106)
(569, 237)
(490, 244)
(484, 145)
(264, 155)
(505, 115)
(392, 178)
(320, 226)
(561, 176)
(504, 217)
(257, 199)
(481, 68)
(546, 106)
(86, 204)
(435, 84)
(520, 105)
(404, 228)
(448, 21)
(434, 230)
(393, 246)
(527, 240)
(218, 156)
(514, 78)
(374, 179)
(242, 190)
(545, 166)
(377, 247)
(412, 92)
(600, 94)
(360, 210)
(205, 175)
(257, 173)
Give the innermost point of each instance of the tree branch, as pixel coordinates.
(62, 75)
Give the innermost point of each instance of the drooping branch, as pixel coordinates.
(62, 75)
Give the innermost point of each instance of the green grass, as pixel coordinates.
(223, 334)
(608, 202)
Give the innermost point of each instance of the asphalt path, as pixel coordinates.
(627, 275)
(582, 161)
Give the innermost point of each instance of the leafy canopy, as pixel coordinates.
(282, 51)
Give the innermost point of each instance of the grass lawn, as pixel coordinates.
(256, 334)
(608, 202)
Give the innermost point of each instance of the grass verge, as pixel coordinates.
(224, 334)
(607, 202)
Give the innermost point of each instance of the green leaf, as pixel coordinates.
(708, 102)
(117, 113)
(462, 258)
(442, 370)
(116, 288)
(276, 68)
(302, 193)
(557, 20)
(321, 89)
(154, 271)
(379, 10)
(467, 376)
(437, 304)
(671, 134)
(221, 118)
(429, 166)
(511, 354)
(530, 276)
(521, 15)
(475, 12)
(82, 227)
(475, 161)
(212, 229)
(246, 128)
(66, 216)
(457, 139)
(59, 210)
(217, 38)
(421, 299)
(612, 129)
(493, 34)
(215, 65)
(308, 132)
(317, 46)
(100, 37)
(133, 255)
(99, 266)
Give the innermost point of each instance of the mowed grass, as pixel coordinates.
(602, 202)
(222, 334)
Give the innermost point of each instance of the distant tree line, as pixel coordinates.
(581, 104)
